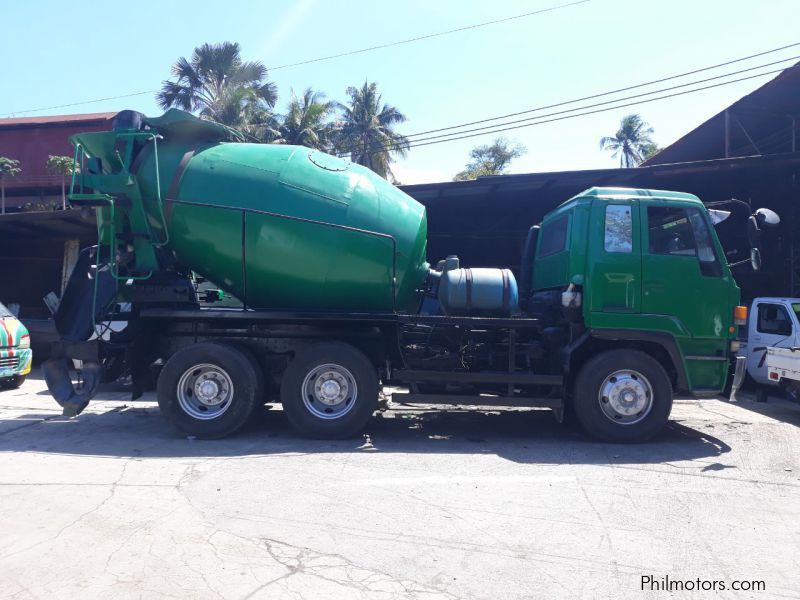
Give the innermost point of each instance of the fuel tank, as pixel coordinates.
(278, 226)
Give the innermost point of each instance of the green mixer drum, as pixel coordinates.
(286, 227)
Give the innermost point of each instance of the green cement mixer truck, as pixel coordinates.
(625, 297)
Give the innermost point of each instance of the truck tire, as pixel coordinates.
(329, 390)
(622, 396)
(208, 390)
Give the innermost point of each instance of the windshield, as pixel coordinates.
(795, 308)
(4, 312)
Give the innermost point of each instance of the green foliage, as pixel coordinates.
(633, 142)
(219, 86)
(59, 165)
(490, 159)
(307, 121)
(9, 167)
(367, 132)
(650, 150)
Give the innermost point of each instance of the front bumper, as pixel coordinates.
(16, 361)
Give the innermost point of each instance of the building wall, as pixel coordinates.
(32, 140)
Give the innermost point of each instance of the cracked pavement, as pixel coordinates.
(511, 505)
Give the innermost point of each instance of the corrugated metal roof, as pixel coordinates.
(759, 123)
(57, 119)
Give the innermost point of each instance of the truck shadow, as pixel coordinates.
(776, 407)
(521, 436)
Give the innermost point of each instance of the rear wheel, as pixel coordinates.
(622, 396)
(329, 390)
(208, 390)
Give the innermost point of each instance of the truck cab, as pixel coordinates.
(653, 276)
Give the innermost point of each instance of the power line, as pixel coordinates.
(22, 112)
(324, 58)
(624, 89)
(674, 87)
(431, 35)
(391, 147)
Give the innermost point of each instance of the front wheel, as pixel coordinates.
(622, 396)
(329, 390)
(208, 390)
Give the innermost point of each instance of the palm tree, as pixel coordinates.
(306, 121)
(218, 85)
(632, 142)
(8, 168)
(366, 131)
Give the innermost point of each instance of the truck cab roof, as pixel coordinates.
(612, 194)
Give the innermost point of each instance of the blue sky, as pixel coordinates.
(61, 52)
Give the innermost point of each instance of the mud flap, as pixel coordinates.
(57, 376)
(738, 376)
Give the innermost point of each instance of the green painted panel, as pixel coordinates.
(300, 265)
(209, 240)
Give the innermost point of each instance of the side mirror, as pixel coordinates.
(755, 259)
(763, 217)
(767, 218)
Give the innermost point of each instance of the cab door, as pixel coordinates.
(684, 279)
(772, 324)
(615, 267)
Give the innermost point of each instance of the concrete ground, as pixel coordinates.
(112, 505)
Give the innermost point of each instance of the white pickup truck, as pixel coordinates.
(772, 323)
(783, 368)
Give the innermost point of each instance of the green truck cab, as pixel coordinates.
(652, 271)
(625, 297)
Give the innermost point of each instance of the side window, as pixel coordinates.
(670, 231)
(554, 236)
(682, 232)
(619, 229)
(773, 318)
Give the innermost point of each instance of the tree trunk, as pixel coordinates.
(63, 192)
(2, 196)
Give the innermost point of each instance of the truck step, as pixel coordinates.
(463, 400)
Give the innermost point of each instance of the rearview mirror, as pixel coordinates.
(755, 259)
(767, 217)
(763, 217)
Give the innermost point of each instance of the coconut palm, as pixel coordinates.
(366, 131)
(632, 142)
(218, 85)
(8, 168)
(306, 122)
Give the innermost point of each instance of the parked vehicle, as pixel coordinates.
(772, 322)
(625, 297)
(783, 369)
(15, 350)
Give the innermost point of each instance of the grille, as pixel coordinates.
(9, 362)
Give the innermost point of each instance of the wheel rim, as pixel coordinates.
(329, 391)
(205, 392)
(626, 397)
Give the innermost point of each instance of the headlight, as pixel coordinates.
(25, 341)
(735, 346)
